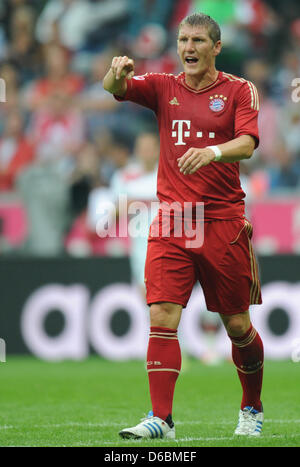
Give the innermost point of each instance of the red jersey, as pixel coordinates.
(213, 115)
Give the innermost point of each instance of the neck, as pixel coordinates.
(201, 80)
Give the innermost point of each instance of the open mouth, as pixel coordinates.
(191, 60)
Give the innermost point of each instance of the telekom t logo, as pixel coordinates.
(179, 133)
(181, 129)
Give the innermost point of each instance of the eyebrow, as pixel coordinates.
(196, 36)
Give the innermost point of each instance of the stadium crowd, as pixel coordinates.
(63, 138)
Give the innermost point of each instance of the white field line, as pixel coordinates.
(202, 438)
(220, 438)
(120, 424)
(229, 422)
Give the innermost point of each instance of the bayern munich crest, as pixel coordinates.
(217, 102)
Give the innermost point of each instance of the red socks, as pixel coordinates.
(163, 366)
(248, 357)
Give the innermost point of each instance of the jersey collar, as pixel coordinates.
(181, 78)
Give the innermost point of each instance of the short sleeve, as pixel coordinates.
(246, 116)
(142, 90)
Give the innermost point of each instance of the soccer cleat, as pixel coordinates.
(250, 422)
(150, 427)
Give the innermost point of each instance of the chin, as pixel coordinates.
(190, 72)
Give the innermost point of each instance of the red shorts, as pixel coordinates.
(225, 266)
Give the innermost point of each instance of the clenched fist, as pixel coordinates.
(122, 67)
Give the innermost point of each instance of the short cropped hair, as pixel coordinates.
(200, 19)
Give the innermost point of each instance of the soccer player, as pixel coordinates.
(208, 123)
(137, 180)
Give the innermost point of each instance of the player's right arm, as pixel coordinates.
(122, 68)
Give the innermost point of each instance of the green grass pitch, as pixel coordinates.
(87, 403)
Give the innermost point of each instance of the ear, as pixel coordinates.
(217, 48)
(177, 48)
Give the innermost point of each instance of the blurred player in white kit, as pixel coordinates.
(137, 181)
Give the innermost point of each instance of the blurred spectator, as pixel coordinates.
(85, 177)
(182, 8)
(114, 149)
(103, 141)
(295, 34)
(144, 12)
(255, 183)
(258, 71)
(289, 128)
(147, 35)
(261, 22)
(57, 77)
(16, 152)
(268, 121)
(120, 151)
(289, 9)
(57, 131)
(45, 195)
(285, 174)
(23, 49)
(69, 22)
(64, 22)
(151, 52)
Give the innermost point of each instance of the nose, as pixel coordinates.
(190, 46)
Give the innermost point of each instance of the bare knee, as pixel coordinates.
(237, 325)
(166, 315)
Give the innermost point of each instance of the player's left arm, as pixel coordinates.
(231, 151)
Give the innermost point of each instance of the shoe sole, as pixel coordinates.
(129, 435)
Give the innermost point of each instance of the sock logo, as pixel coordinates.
(251, 368)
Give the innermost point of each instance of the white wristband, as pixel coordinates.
(217, 151)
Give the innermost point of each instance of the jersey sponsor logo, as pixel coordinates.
(217, 102)
(174, 101)
(182, 129)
